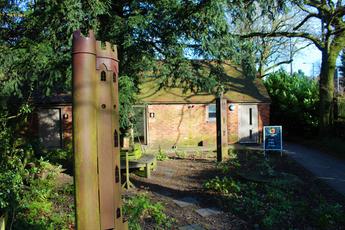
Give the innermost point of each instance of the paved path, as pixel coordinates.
(324, 166)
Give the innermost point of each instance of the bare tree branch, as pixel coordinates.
(278, 64)
(310, 37)
(311, 15)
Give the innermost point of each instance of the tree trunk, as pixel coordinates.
(327, 91)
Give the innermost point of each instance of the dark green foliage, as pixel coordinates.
(294, 102)
(140, 207)
(38, 207)
(257, 190)
(27, 184)
(155, 38)
(127, 92)
(36, 44)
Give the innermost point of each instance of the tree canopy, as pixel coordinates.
(330, 40)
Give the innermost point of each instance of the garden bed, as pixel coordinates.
(276, 193)
(281, 194)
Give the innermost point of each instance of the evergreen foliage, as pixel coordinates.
(294, 102)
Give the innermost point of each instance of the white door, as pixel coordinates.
(248, 123)
(49, 128)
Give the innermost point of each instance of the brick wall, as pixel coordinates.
(188, 125)
(66, 122)
(180, 125)
(233, 124)
(264, 118)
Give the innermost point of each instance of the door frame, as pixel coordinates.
(256, 139)
(144, 120)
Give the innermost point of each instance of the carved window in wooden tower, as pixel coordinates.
(118, 213)
(103, 76)
(117, 174)
(116, 139)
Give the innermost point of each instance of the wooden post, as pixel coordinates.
(96, 135)
(84, 132)
(222, 131)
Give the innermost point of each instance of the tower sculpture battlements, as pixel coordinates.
(96, 134)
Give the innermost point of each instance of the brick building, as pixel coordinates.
(52, 121)
(171, 117)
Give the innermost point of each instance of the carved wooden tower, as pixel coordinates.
(96, 134)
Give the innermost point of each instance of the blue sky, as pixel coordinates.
(306, 60)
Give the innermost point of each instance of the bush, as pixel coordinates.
(27, 184)
(294, 102)
(161, 155)
(38, 206)
(225, 185)
(63, 157)
(140, 207)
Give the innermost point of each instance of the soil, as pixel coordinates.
(181, 178)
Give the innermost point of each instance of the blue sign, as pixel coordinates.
(273, 138)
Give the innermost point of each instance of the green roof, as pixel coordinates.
(238, 88)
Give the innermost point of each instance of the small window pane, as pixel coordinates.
(212, 111)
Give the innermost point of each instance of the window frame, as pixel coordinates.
(211, 119)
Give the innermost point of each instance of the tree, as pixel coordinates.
(342, 66)
(269, 52)
(294, 102)
(156, 37)
(330, 42)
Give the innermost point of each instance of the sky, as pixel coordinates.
(308, 60)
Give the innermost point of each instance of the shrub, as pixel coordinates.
(225, 185)
(161, 155)
(37, 207)
(294, 102)
(140, 207)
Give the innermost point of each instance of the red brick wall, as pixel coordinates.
(233, 124)
(180, 125)
(264, 117)
(66, 121)
(187, 125)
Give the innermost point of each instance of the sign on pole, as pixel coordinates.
(273, 138)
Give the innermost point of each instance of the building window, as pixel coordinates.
(211, 108)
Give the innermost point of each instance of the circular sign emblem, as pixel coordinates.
(272, 131)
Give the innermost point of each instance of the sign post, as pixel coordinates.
(273, 140)
(222, 131)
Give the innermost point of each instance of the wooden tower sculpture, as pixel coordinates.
(96, 134)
